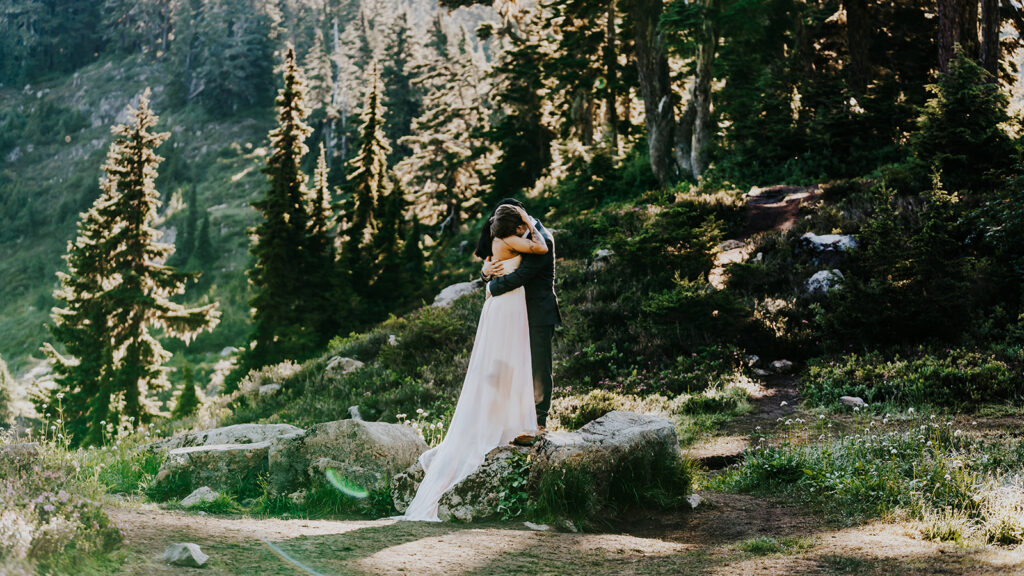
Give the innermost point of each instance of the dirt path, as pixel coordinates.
(710, 540)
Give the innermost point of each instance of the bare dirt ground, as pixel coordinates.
(705, 541)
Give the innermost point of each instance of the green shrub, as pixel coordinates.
(955, 377)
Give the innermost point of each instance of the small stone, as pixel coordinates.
(853, 401)
(760, 373)
(782, 366)
(353, 412)
(199, 496)
(753, 360)
(537, 527)
(570, 526)
(828, 242)
(694, 500)
(185, 554)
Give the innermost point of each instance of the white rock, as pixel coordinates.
(824, 281)
(340, 365)
(353, 412)
(269, 389)
(853, 401)
(782, 366)
(603, 254)
(828, 242)
(694, 500)
(449, 295)
(730, 245)
(537, 527)
(760, 372)
(199, 496)
(185, 554)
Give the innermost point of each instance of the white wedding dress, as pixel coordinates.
(496, 403)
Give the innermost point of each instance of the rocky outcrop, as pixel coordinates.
(223, 467)
(449, 295)
(605, 442)
(367, 453)
(339, 365)
(602, 445)
(237, 434)
(476, 497)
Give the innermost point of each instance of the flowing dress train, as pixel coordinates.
(496, 403)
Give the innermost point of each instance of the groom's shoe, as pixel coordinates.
(528, 439)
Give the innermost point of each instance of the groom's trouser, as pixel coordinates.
(540, 357)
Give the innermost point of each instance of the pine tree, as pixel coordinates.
(322, 297)
(277, 273)
(318, 73)
(369, 183)
(204, 253)
(115, 291)
(140, 287)
(84, 370)
(402, 99)
(188, 401)
(186, 242)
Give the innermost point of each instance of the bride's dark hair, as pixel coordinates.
(483, 245)
(505, 222)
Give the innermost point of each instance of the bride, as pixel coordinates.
(496, 403)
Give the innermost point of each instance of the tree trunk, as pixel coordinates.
(655, 87)
(611, 71)
(958, 24)
(990, 25)
(858, 41)
(700, 97)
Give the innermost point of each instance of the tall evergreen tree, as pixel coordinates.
(369, 183)
(139, 298)
(204, 253)
(322, 297)
(185, 244)
(116, 290)
(278, 270)
(401, 98)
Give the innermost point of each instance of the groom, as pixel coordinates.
(536, 274)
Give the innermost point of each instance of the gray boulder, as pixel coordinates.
(828, 242)
(220, 466)
(782, 366)
(449, 295)
(185, 554)
(476, 497)
(339, 365)
(367, 453)
(853, 401)
(237, 434)
(199, 496)
(605, 442)
(824, 281)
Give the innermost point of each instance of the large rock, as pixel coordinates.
(237, 434)
(605, 442)
(449, 295)
(367, 453)
(185, 554)
(823, 282)
(224, 467)
(476, 497)
(828, 242)
(339, 365)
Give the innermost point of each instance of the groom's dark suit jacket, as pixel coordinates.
(536, 274)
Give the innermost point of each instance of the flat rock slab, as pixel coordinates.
(237, 434)
(223, 467)
(607, 440)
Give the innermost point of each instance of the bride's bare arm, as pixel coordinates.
(535, 244)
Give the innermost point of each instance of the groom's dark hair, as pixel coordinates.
(483, 245)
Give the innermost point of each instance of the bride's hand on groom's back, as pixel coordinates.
(492, 269)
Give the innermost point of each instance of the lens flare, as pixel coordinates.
(284, 556)
(345, 486)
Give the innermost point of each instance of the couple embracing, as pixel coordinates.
(507, 390)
